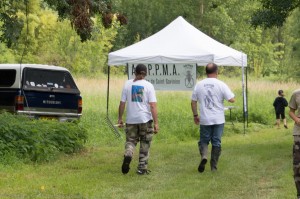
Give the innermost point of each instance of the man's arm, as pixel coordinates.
(153, 109)
(121, 112)
(195, 112)
(294, 116)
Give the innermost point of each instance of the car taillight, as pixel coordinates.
(19, 105)
(79, 106)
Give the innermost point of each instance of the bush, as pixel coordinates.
(39, 140)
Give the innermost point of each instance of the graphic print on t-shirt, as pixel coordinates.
(137, 93)
(209, 97)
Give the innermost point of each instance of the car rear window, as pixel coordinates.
(45, 79)
(7, 77)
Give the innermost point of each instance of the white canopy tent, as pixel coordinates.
(180, 42)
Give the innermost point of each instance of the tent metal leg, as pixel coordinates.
(107, 94)
(108, 121)
(247, 96)
(244, 97)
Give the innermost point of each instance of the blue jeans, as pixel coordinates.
(211, 133)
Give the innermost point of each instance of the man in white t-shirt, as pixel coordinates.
(141, 112)
(210, 93)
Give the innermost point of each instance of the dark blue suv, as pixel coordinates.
(39, 91)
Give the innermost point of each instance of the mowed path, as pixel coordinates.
(254, 165)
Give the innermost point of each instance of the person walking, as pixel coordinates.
(294, 105)
(279, 104)
(141, 113)
(210, 93)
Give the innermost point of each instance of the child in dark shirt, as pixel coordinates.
(279, 104)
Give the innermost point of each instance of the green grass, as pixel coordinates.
(257, 164)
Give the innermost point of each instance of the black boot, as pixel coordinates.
(203, 152)
(125, 165)
(215, 154)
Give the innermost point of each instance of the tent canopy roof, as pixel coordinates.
(179, 42)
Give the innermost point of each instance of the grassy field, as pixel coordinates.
(257, 164)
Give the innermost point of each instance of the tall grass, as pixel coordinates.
(175, 116)
(38, 140)
(94, 92)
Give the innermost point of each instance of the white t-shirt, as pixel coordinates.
(138, 94)
(210, 94)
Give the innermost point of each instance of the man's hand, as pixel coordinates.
(156, 128)
(232, 100)
(120, 123)
(194, 110)
(121, 111)
(196, 120)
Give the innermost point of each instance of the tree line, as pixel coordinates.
(79, 34)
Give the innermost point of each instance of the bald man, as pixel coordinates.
(210, 94)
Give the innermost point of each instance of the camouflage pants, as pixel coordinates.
(142, 133)
(296, 162)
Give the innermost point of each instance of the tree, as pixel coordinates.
(11, 26)
(6, 54)
(79, 12)
(148, 17)
(273, 12)
(285, 16)
(291, 36)
(47, 40)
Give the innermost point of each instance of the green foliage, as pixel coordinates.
(291, 34)
(273, 13)
(55, 42)
(39, 31)
(79, 13)
(262, 52)
(6, 54)
(148, 17)
(11, 26)
(38, 140)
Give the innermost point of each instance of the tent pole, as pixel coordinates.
(127, 68)
(110, 124)
(247, 96)
(107, 94)
(244, 95)
(243, 85)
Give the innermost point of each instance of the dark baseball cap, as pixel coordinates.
(141, 69)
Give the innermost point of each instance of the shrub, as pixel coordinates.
(39, 140)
